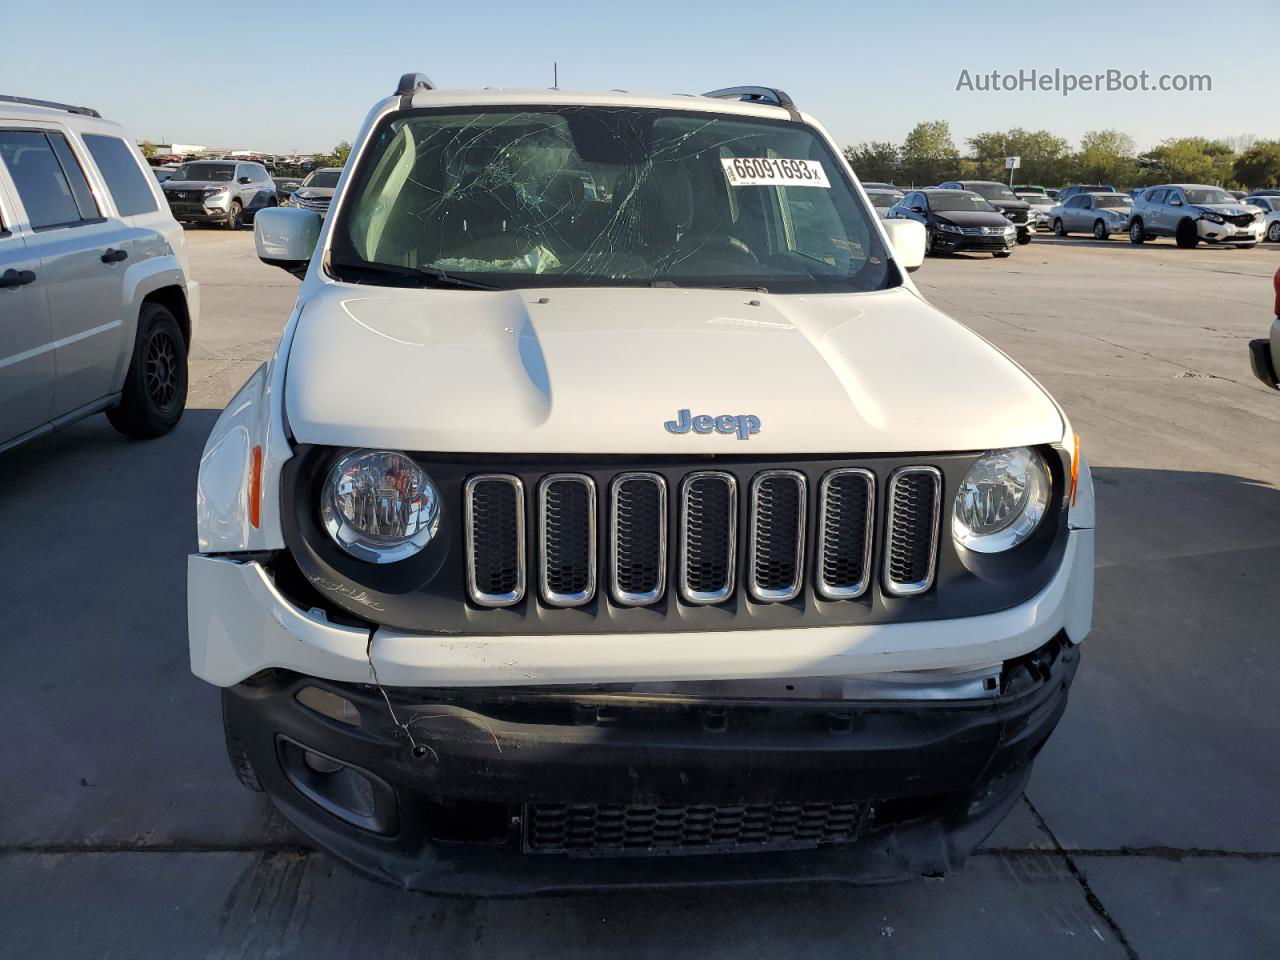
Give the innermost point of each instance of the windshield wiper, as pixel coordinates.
(426, 275)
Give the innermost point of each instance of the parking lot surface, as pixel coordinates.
(1150, 827)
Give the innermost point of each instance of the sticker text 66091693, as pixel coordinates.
(774, 172)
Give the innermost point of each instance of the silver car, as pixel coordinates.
(1191, 212)
(1041, 205)
(317, 190)
(96, 308)
(224, 192)
(883, 198)
(1270, 207)
(1100, 214)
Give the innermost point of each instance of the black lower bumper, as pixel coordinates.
(444, 798)
(958, 244)
(1263, 363)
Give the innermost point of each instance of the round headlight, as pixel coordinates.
(1001, 500)
(379, 506)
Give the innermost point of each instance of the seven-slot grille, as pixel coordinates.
(614, 829)
(706, 525)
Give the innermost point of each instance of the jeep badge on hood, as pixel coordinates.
(744, 425)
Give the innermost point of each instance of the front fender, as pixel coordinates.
(225, 487)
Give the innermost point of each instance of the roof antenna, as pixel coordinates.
(555, 75)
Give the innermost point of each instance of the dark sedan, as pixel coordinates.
(957, 220)
(1016, 210)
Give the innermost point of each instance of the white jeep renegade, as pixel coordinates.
(613, 495)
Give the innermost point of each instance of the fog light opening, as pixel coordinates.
(345, 791)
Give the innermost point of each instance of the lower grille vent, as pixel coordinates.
(619, 830)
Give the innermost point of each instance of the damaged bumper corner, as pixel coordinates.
(512, 791)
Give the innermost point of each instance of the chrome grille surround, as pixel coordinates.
(552, 545)
(692, 539)
(470, 489)
(621, 518)
(904, 527)
(830, 522)
(761, 536)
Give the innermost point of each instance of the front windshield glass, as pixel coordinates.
(1034, 197)
(994, 191)
(1112, 202)
(883, 198)
(323, 178)
(555, 196)
(1209, 196)
(943, 200)
(216, 172)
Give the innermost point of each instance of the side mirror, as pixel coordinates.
(286, 237)
(918, 209)
(907, 239)
(243, 180)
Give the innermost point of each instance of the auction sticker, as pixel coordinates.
(774, 172)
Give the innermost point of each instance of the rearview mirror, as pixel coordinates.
(907, 239)
(286, 237)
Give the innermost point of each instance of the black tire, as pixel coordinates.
(928, 242)
(1058, 229)
(1273, 231)
(1002, 253)
(235, 216)
(1136, 233)
(1185, 236)
(155, 388)
(1100, 231)
(236, 754)
(1024, 237)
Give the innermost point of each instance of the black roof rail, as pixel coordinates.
(410, 82)
(52, 105)
(769, 95)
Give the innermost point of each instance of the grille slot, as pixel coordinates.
(638, 538)
(495, 540)
(708, 536)
(911, 534)
(846, 514)
(619, 830)
(776, 549)
(567, 538)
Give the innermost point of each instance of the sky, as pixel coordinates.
(287, 76)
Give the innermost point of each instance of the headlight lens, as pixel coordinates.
(214, 191)
(379, 506)
(1212, 217)
(1001, 500)
(949, 228)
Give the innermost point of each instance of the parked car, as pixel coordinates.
(163, 172)
(467, 637)
(1191, 212)
(1269, 204)
(1238, 194)
(1021, 188)
(956, 220)
(882, 199)
(225, 192)
(1100, 214)
(877, 185)
(285, 186)
(1051, 193)
(317, 190)
(97, 306)
(1264, 355)
(1066, 193)
(1040, 204)
(1017, 212)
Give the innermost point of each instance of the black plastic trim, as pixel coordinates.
(427, 593)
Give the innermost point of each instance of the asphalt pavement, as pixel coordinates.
(1150, 828)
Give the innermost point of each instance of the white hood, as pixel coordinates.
(602, 370)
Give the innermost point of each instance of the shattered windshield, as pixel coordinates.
(555, 196)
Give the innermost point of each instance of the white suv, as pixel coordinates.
(96, 308)
(613, 493)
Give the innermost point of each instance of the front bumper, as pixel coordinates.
(452, 810)
(952, 242)
(1229, 233)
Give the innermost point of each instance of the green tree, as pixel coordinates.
(340, 153)
(1259, 166)
(1044, 158)
(876, 160)
(929, 154)
(148, 149)
(1189, 160)
(1106, 156)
